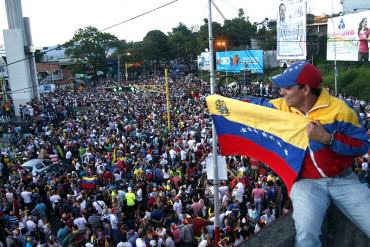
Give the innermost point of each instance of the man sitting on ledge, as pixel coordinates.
(335, 138)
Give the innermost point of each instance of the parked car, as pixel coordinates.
(39, 166)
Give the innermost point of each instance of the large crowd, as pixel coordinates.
(124, 178)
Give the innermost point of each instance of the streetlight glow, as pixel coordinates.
(223, 43)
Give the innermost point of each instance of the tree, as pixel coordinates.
(155, 45)
(202, 35)
(267, 38)
(90, 46)
(239, 31)
(241, 13)
(182, 43)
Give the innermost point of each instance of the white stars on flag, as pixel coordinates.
(248, 130)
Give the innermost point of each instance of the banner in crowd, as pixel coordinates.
(291, 29)
(88, 183)
(204, 61)
(273, 137)
(238, 61)
(348, 37)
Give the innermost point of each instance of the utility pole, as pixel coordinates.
(216, 202)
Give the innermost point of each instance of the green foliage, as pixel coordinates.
(358, 82)
(155, 45)
(238, 32)
(352, 80)
(90, 46)
(202, 35)
(267, 38)
(182, 43)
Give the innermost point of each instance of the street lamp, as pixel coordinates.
(119, 66)
(126, 74)
(223, 43)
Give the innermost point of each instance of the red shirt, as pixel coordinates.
(198, 224)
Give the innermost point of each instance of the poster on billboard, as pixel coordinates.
(291, 29)
(204, 61)
(237, 61)
(348, 37)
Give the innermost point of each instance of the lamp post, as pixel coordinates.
(119, 66)
(335, 60)
(335, 52)
(223, 43)
(126, 74)
(216, 202)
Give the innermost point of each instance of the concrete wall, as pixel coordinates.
(19, 74)
(338, 231)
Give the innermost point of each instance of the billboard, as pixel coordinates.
(204, 61)
(350, 6)
(237, 61)
(291, 29)
(348, 37)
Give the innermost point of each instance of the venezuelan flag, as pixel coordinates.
(274, 137)
(88, 183)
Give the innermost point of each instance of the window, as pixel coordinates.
(39, 166)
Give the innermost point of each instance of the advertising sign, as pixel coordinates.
(237, 61)
(204, 61)
(350, 6)
(348, 37)
(291, 29)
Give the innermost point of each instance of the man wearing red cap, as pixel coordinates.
(335, 138)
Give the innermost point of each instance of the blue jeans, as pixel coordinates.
(312, 197)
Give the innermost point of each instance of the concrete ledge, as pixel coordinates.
(338, 231)
(278, 234)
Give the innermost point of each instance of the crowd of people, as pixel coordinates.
(124, 178)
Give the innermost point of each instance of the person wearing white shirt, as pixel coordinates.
(177, 206)
(99, 205)
(124, 244)
(26, 196)
(30, 225)
(365, 166)
(183, 155)
(113, 220)
(80, 222)
(140, 241)
(238, 192)
(9, 196)
(54, 199)
(172, 154)
(69, 155)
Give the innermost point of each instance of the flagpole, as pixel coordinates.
(214, 136)
(167, 100)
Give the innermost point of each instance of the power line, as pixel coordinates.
(218, 10)
(137, 16)
(125, 21)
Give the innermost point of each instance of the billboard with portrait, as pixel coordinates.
(348, 37)
(238, 61)
(291, 29)
(204, 61)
